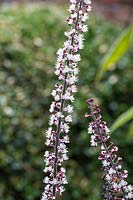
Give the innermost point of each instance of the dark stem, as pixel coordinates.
(61, 111)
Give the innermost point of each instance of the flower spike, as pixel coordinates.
(63, 95)
(114, 176)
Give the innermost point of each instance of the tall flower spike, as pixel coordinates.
(114, 176)
(61, 109)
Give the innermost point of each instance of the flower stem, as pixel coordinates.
(61, 110)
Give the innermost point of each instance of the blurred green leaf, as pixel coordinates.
(117, 50)
(122, 119)
(130, 132)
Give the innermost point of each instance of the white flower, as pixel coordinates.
(48, 132)
(46, 180)
(71, 98)
(65, 157)
(52, 118)
(130, 188)
(49, 168)
(87, 1)
(73, 1)
(107, 129)
(108, 177)
(55, 181)
(57, 98)
(58, 114)
(62, 189)
(75, 71)
(130, 195)
(84, 28)
(68, 118)
(122, 183)
(72, 7)
(89, 8)
(47, 142)
(74, 15)
(65, 127)
(46, 153)
(115, 185)
(74, 88)
(112, 171)
(84, 18)
(70, 21)
(119, 167)
(53, 93)
(60, 52)
(93, 142)
(90, 130)
(66, 139)
(76, 58)
(105, 163)
(70, 109)
(52, 107)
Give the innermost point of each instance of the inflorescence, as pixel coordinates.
(61, 108)
(115, 186)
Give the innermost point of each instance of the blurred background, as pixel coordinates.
(30, 34)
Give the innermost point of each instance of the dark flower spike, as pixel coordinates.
(115, 186)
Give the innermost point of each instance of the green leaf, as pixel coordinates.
(122, 119)
(130, 132)
(117, 50)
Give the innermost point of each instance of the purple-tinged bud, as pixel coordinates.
(90, 101)
(87, 115)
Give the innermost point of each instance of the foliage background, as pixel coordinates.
(29, 38)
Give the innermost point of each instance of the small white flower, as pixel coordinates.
(130, 188)
(68, 118)
(74, 15)
(87, 2)
(108, 177)
(52, 118)
(59, 114)
(90, 130)
(70, 21)
(122, 183)
(115, 185)
(65, 127)
(72, 7)
(46, 180)
(112, 171)
(60, 52)
(57, 98)
(69, 109)
(105, 163)
(74, 88)
(46, 153)
(84, 28)
(130, 195)
(107, 129)
(53, 93)
(76, 58)
(52, 107)
(73, 1)
(84, 18)
(93, 142)
(48, 132)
